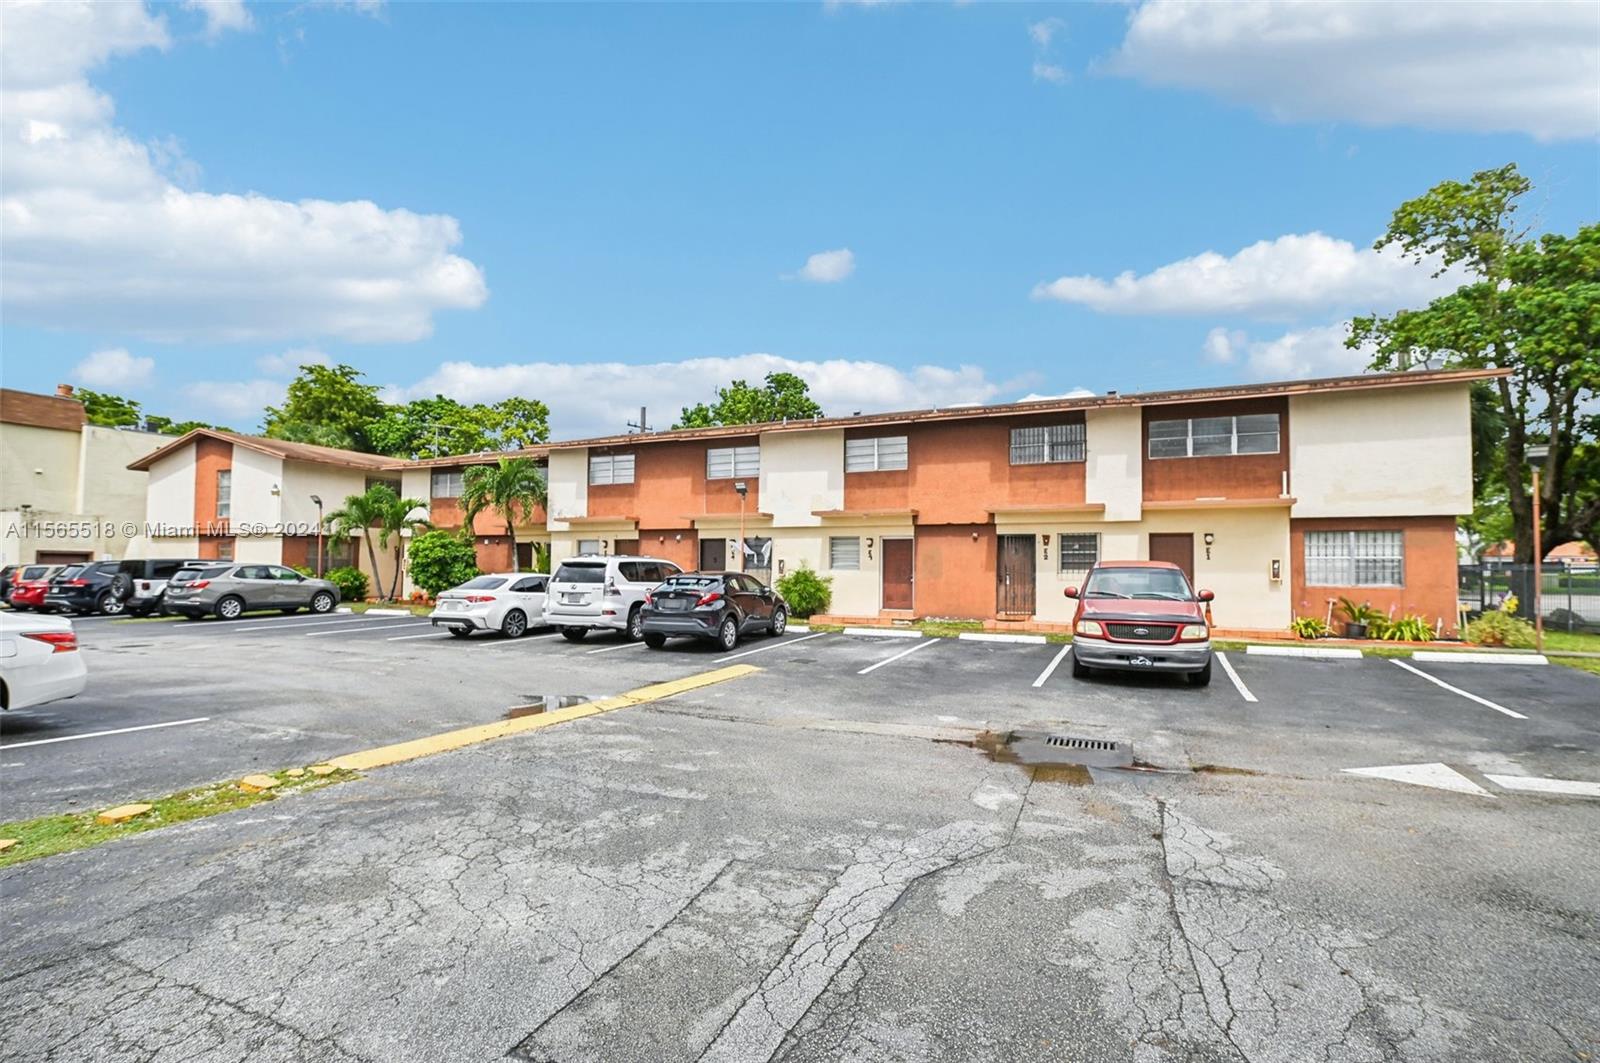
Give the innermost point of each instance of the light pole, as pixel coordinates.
(1536, 455)
(743, 489)
(318, 500)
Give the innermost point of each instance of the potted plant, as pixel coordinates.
(1359, 619)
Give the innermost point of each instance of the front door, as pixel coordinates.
(1014, 576)
(626, 547)
(1178, 549)
(713, 555)
(898, 574)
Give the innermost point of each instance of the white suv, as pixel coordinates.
(593, 591)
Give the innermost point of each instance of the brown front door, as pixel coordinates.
(713, 555)
(1014, 576)
(897, 574)
(627, 547)
(1178, 549)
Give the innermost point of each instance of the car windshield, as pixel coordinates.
(66, 573)
(482, 583)
(188, 574)
(581, 572)
(691, 583)
(1166, 584)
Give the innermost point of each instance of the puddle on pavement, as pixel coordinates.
(1050, 758)
(538, 703)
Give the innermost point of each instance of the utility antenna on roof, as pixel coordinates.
(643, 425)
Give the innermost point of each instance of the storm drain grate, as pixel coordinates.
(1049, 747)
(1068, 742)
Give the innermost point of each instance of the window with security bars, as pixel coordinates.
(610, 469)
(875, 455)
(1214, 437)
(1355, 559)
(224, 493)
(844, 552)
(447, 483)
(725, 463)
(1077, 552)
(1048, 443)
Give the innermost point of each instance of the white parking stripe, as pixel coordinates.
(624, 646)
(1227, 666)
(1468, 657)
(885, 632)
(1329, 653)
(903, 653)
(424, 635)
(1457, 690)
(503, 643)
(369, 627)
(1532, 785)
(307, 624)
(1050, 669)
(102, 734)
(772, 646)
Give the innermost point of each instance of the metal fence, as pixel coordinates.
(1570, 600)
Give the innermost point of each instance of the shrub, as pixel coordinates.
(1500, 628)
(304, 570)
(1409, 628)
(806, 592)
(1309, 627)
(352, 583)
(441, 560)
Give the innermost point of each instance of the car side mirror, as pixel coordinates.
(299, 577)
(1070, 592)
(1206, 596)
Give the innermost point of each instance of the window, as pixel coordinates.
(1355, 559)
(1047, 444)
(447, 483)
(1214, 437)
(283, 575)
(532, 585)
(224, 493)
(875, 455)
(610, 469)
(724, 463)
(590, 546)
(1077, 553)
(844, 552)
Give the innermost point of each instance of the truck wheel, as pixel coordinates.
(574, 634)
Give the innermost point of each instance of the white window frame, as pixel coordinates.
(454, 483)
(1050, 444)
(1233, 437)
(1061, 552)
(1335, 558)
(845, 564)
(594, 547)
(224, 494)
(871, 455)
(608, 469)
(731, 463)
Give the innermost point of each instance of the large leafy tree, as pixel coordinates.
(329, 406)
(362, 513)
(117, 411)
(508, 487)
(440, 425)
(1531, 306)
(784, 396)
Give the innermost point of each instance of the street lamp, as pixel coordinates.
(317, 499)
(1536, 454)
(743, 489)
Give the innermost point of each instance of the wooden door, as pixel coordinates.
(713, 555)
(1014, 576)
(626, 547)
(898, 574)
(1178, 549)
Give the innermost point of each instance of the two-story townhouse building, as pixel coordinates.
(441, 482)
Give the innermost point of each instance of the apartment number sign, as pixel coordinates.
(1045, 539)
(869, 548)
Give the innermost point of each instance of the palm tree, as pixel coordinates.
(399, 515)
(378, 508)
(509, 485)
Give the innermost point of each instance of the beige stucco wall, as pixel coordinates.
(169, 490)
(302, 479)
(568, 487)
(38, 468)
(260, 549)
(801, 472)
(256, 494)
(1238, 570)
(855, 592)
(1381, 453)
(1113, 473)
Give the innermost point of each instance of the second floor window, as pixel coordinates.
(875, 455)
(224, 494)
(1046, 444)
(610, 469)
(724, 463)
(446, 483)
(1214, 437)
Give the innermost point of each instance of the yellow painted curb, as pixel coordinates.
(468, 736)
(6, 843)
(254, 784)
(121, 814)
(323, 769)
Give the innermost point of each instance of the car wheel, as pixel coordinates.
(231, 607)
(728, 633)
(515, 625)
(109, 604)
(1202, 678)
(122, 586)
(635, 629)
(322, 602)
(1078, 669)
(780, 621)
(460, 632)
(574, 634)
(655, 642)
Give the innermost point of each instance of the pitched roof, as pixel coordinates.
(481, 457)
(41, 411)
(278, 448)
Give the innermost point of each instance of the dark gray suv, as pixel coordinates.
(228, 590)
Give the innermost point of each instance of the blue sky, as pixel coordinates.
(609, 206)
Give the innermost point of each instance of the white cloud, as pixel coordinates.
(288, 362)
(599, 398)
(1043, 33)
(1222, 345)
(238, 401)
(222, 16)
(1049, 72)
(1295, 355)
(1531, 67)
(101, 234)
(1271, 279)
(114, 368)
(829, 267)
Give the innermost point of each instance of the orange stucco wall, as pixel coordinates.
(954, 570)
(670, 488)
(661, 542)
(1234, 476)
(447, 513)
(1430, 568)
(211, 456)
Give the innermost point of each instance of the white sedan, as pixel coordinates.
(39, 661)
(507, 602)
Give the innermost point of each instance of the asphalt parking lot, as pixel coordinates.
(1315, 859)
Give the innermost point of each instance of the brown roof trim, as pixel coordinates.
(278, 448)
(482, 457)
(1276, 502)
(864, 513)
(1362, 382)
(41, 411)
(1029, 511)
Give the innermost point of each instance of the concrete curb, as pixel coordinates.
(797, 629)
(1468, 657)
(884, 632)
(1330, 654)
(990, 636)
(388, 612)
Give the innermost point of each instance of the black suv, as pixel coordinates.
(719, 606)
(112, 587)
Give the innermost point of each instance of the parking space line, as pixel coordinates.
(1457, 690)
(307, 624)
(1238, 684)
(279, 619)
(374, 627)
(502, 644)
(102, 734)
(1050, 669)
(773, 646)
(1468, 657)
(624, 646)
(903, 653)
(884, 632)
(424, 635)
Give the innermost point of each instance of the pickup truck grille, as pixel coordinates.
(1141, 632)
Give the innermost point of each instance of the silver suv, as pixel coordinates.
(227, 590)
(595, 591)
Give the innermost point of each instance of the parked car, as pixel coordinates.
(720, 606)
(39, 661)
(1141, 616)
(595, 591)
(113, 587)
(29, 585)
(5, 581)
(507, 602)
(227, 590)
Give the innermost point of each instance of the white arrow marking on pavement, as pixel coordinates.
(1565, 787)
(1438, 776)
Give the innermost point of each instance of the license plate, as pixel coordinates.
(1143, 662)
(673, 605)
(573, 599)
(450, 607)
